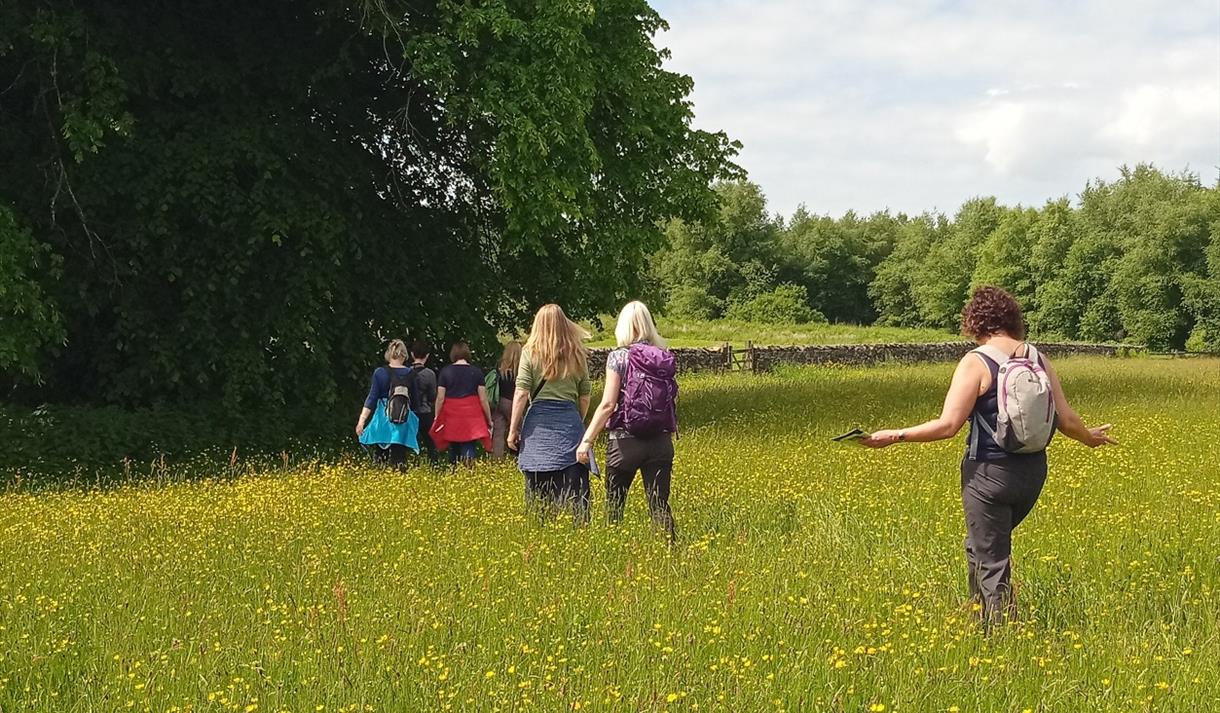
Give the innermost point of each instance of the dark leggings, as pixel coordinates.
(395, 456)
(996, 497)
(565, 489)
(464, 452)
(653, 458)
(425, 440)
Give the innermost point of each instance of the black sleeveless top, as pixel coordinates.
(980, 445)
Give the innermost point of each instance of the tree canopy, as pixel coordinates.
(238, 201)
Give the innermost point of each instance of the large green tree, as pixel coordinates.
(893, 287)
(1005, 259)
(241, 199)
(729, 256)
(836, 260)
(941, 283)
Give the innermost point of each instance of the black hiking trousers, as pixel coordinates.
(996, 497)
(653, 459)
(567, 489)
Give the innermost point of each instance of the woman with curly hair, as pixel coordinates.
(1000, 482)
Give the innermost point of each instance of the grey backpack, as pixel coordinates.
(1025, 403)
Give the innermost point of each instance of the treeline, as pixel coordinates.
(1136, 259)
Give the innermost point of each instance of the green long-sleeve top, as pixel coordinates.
(571, 389)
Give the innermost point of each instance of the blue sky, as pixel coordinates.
(921, 104)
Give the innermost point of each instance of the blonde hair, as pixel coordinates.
(396, 351)
(635, 324)
(555, 345)
(511, 358)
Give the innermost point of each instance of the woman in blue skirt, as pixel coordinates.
(387, 440)
(549, 407)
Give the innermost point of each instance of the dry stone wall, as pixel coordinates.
(762, 359)
(767, 358)
(688, 359)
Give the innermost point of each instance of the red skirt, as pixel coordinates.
(460, 421)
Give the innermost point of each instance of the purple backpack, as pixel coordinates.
(648, 400)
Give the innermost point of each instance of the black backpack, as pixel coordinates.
(398, 406)
(417, 399)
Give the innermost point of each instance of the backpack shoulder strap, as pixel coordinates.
(999, 356)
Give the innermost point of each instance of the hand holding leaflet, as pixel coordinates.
(854, 435)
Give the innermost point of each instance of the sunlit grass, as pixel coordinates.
(809, 576)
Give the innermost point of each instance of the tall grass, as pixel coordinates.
(808, 575)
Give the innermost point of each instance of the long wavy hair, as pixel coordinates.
(511, 358)
(556, 345)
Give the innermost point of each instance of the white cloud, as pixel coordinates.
(922, 104)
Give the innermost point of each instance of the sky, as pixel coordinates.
(919, 105)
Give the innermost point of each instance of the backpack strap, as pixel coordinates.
(537, 390)
(1032, 354)
(986, 354)
(999, 356)
(978, 425)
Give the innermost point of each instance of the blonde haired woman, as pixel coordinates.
(642, 418)
(389, 441)
(553, 382)
(502, 410)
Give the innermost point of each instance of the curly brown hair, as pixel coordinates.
(990, 311)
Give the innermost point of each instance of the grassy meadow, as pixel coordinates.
(808, 575)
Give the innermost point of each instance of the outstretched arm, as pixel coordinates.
(1069, 423)
(959, 402)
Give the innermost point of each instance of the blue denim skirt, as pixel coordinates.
(549, 436)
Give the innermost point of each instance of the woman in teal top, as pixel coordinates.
(388, 441)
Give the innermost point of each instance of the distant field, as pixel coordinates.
(808, 576)
(684, 333)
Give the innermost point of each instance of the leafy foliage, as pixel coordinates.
(30, 322)
(730, 257)
(337, 174)
(693, 302)
(836, 260)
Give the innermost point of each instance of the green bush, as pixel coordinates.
(693, 302)
(1200, 340)
(786, 304)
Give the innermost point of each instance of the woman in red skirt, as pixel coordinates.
(463, 417)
